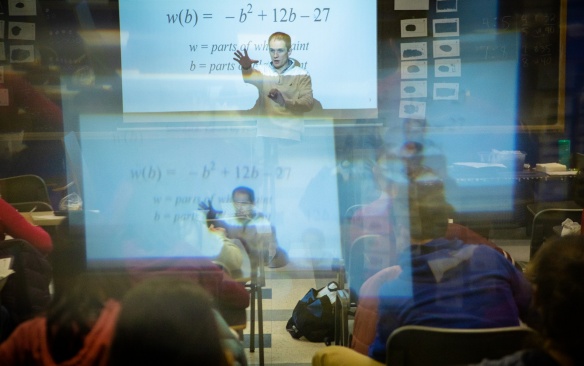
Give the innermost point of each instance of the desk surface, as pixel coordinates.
(44, 218)
(463, 173)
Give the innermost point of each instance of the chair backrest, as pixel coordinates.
(25, 189)
(26, 292)
(414, 345)
(36, 206)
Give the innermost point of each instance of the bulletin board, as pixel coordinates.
(480, 63)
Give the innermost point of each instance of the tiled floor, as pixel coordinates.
(284, 287)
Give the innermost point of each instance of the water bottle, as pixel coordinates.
(564, 152)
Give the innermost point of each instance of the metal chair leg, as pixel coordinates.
(252, 318)
(260, 325)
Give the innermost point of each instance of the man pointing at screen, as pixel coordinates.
(285, 89)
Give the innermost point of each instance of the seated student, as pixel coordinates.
(233, 257)
(442, 283)
(556, 274)
(376, 217)
(76, 330)
(14, 224)
(366, 315)
(252, 226)
(168, 321)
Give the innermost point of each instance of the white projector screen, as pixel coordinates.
(177, 56)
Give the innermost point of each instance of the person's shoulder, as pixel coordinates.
(35, 327)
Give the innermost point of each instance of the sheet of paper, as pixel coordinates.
(21, 7)
(21, 53)
(414, 50)
(446, 27)
(414, 89)
(412, 109)
(480, 165)
(414, 27)
(446, 48)
(446, 91)
(5, 264)
(447, 67)
(21, 30)
(412, 4)
(414, 69)
(5, 270)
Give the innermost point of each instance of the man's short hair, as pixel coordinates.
(281, 36)
(246, 190)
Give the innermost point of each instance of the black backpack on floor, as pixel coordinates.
(313, 316)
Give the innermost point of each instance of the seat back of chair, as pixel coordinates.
(24, 189)
(36, 206)
(26, 292)
(414, 345)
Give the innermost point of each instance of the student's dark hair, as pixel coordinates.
(428, 209)
(73, 310)
(167, 321)
(243, 189)
(557, 271)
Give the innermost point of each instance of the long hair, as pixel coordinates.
(167, 321)
(73, 311)
(557, 271)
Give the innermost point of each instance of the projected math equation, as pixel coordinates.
(191, 17)
(155, 173)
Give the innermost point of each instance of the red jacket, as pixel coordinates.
(15, 225)
(28, 345)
